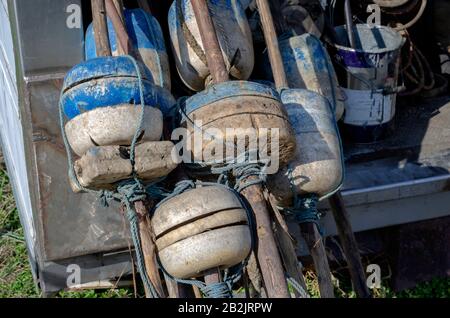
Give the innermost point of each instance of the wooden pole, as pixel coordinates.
(214, 56)
(148, 248)
(144, 5)
(267, 251)
(287, 249)
(349, 245)
(115, 13)
(125, 47)
(317, 250)
(349, 23)
(273, 49)
(309, 231)
(100, 28)
(268, 256)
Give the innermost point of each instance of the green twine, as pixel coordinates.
(128, 191)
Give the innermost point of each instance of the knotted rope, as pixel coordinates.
(128, 192)
(242, 170)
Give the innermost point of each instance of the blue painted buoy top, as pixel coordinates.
(146, 35)
(229, 89)
(109, 81)
(308, 65)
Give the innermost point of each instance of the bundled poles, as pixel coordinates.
(267, 252)
(309, 231)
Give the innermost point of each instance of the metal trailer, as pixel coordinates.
(403, 179)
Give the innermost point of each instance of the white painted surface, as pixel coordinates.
(366, 107)
(11, 129)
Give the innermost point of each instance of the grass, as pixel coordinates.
(16, 279)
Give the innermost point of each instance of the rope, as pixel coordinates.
(304, 209)
(220, 289)
(242, 170)
(299, 288)
(128, 192)
(419, 14)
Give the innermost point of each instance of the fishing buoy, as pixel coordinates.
(100, 98)
(103, 166)
(234, 107)
(146, 36)
(308, 65)
(299, 19)
(317, 167)
(195, 233)
(234, 37)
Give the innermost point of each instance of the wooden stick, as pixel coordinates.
(149, 247)
(349, 245)
(309, 231)
(119, 8)
(212, 276)
(214, 56)
(271, 38)
(124, 44)
(349, 23)
(286, 247)
(269, 258)
(176, 290)
(267, 251)
(100, 28)
(144, 5)
(317, 250)
(114, 9)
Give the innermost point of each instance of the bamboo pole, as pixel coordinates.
(268, 256)
(309, 231)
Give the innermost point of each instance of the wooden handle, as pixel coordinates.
(214, 57)
(270, 36)
(100, 28)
